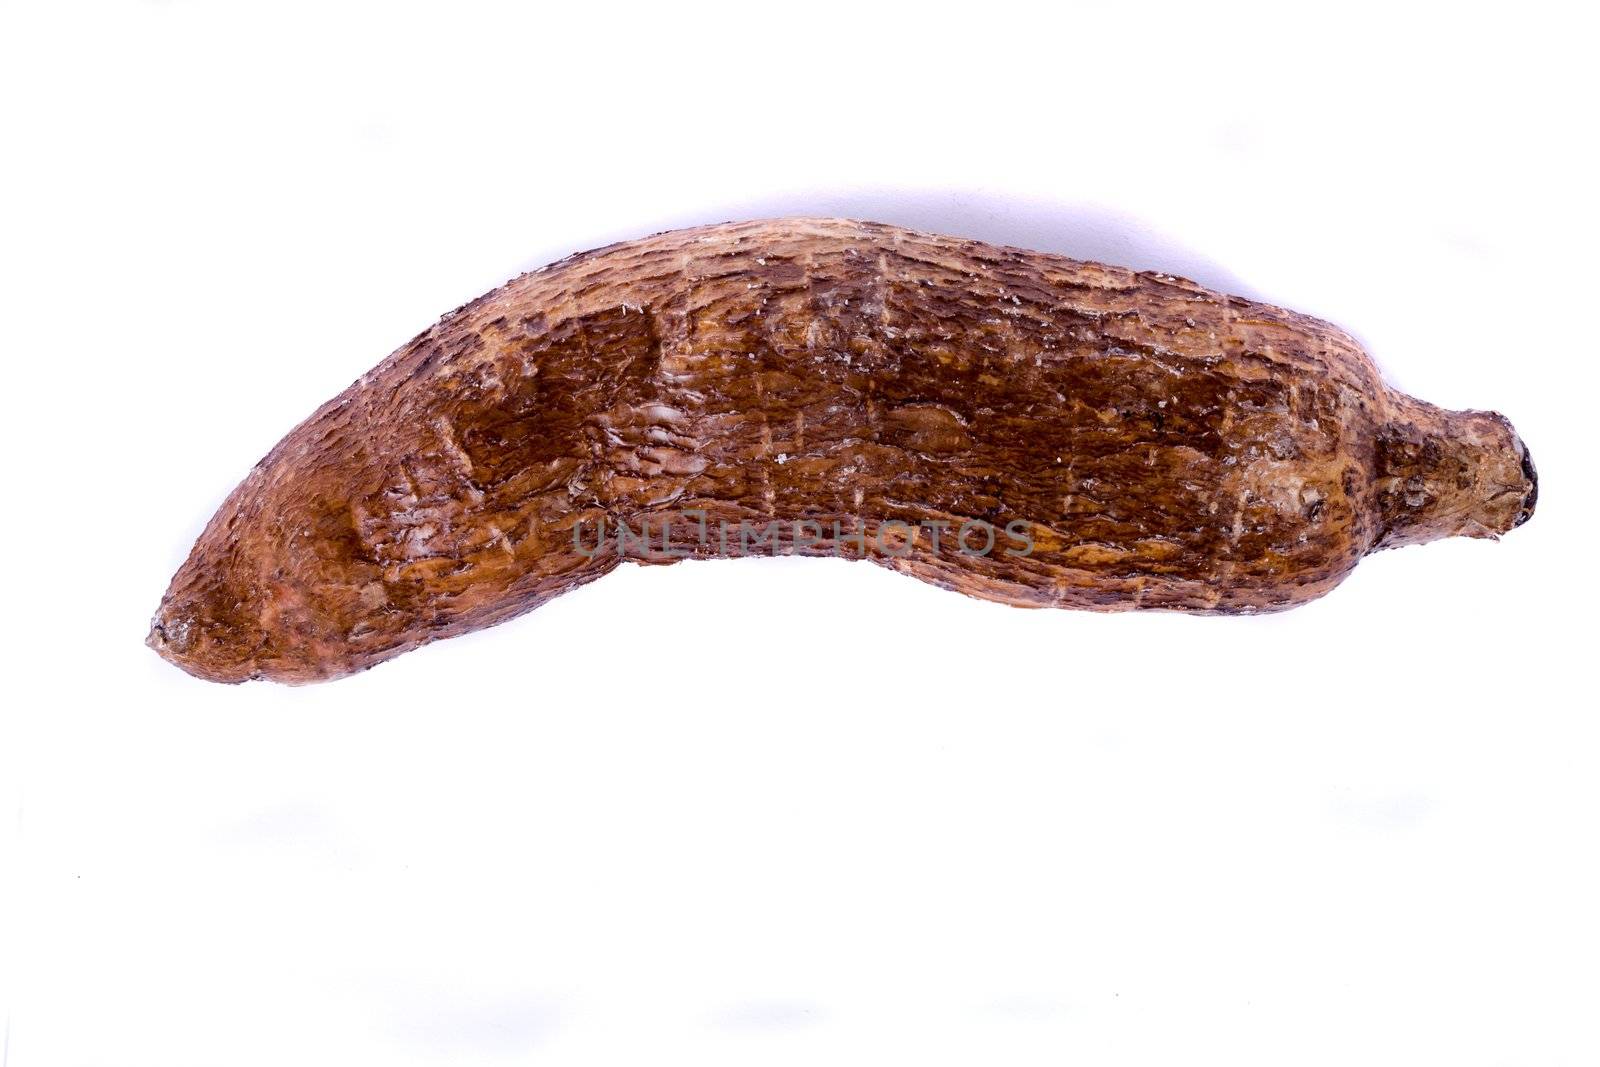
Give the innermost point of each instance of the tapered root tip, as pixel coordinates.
(1450, 474)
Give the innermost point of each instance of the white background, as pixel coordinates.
(788, 811)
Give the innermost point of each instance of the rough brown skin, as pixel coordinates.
(1162, 446)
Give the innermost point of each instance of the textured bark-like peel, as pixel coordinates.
(1162, 446)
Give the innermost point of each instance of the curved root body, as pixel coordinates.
(1012, 425)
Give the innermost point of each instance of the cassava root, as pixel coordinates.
(1158, 445)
